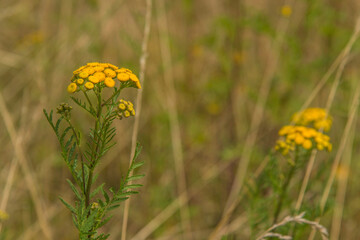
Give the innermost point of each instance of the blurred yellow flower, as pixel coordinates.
(292, 137)
(72, 88)
(313, 117)
(286, 10)
(3, 215)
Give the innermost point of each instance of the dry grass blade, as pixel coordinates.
(341, 190)
(173, 113)
(339, 154)
(30, 180)
(138, 103)
(297, 219)
(254, 127)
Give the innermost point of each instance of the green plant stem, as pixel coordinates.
(80, 152)
(88, 99)
(112, 96)
(283, 192)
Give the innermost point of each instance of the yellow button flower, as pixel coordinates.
(109, 82)
(83, 74)
(110, 73)
(99, 75)
(79, 81)
(98, 68)
(123, 77)
(127, 114)
(72, 88)
(286, 11)
(307, 144)
(93, 79)
(89, 85)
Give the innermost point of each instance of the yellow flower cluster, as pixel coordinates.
(101, 74)
(286, 10)
(300, 136)
(125, 109)
(3, 215)
(315, 117)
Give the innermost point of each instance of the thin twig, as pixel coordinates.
(143, 57)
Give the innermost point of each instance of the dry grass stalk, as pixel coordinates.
(297, 219)
(339, 154)
(28, 174)
(173, 113)
(341, 190)
(144, 54)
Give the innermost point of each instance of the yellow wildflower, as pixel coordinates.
(109, 82)
(113, 66)
(72, 88)
(314, 117)
(3, 215)
(123, 77)
(89, 85)
(301, 136)
(98, 68)
(79, 81)
(93, 79)
(99, 75)
(83, 74)
(89, 70)
(110, 73)
(286, 11)
(126, 113)
(122, 106)
(307, 144)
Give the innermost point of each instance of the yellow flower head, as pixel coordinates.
(102, 74)
(123, 77)
(109, 82)
(126, 113)
(99, 75)
(314, 117)
(3, 215)
(125, 108)
(72, 88)
(83, 74)
(110, 73)
(292, 137)
(79, 81)
(286, 11)
(99, 68)
(89, 85)
(93, 79)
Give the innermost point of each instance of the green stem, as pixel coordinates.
(81, 154)
(112, 96)
(283, 192)
(88, 99)
(96, 146)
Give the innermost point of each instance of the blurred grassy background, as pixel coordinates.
(219, 50)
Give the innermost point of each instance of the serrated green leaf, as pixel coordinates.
(135, 177)
(71, 208)
(131, 186)
(72, 186)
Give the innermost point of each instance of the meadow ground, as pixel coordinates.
(221, 79)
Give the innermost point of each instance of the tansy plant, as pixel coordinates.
(93, 204)
(297, 141)
(271, 192)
